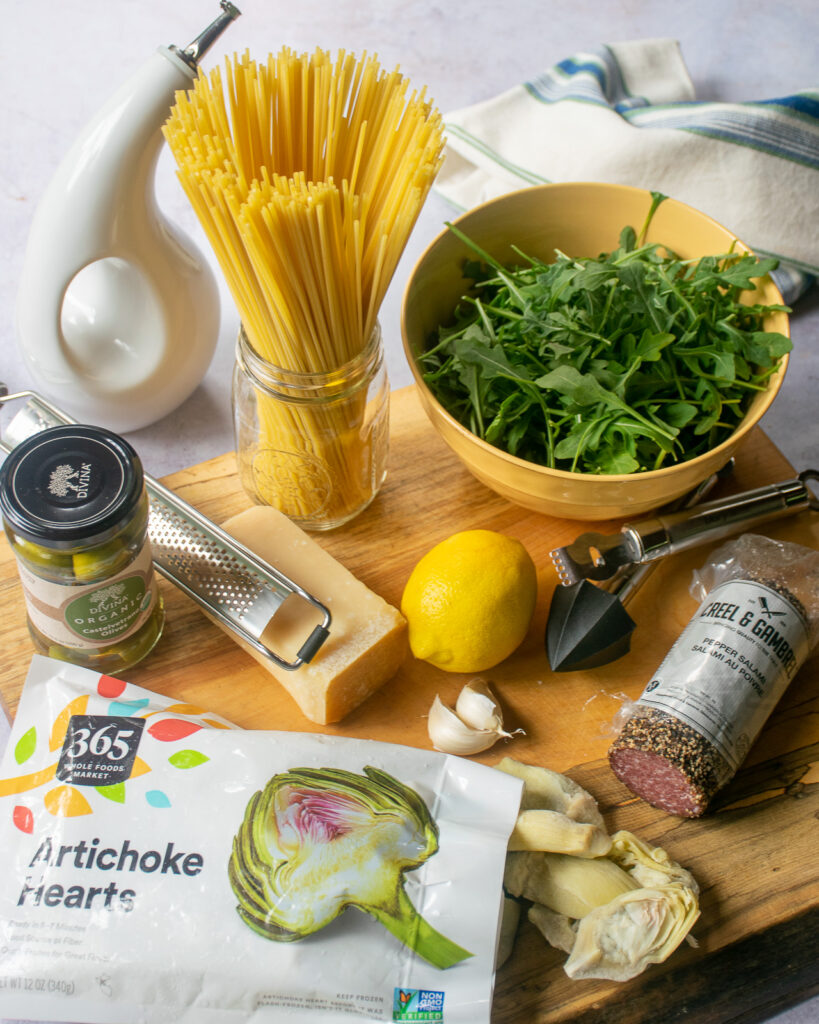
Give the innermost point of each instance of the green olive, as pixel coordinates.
(59, 653)
(105, 560)
(37, 555)
(137, 646)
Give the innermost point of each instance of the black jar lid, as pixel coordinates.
(69, 484)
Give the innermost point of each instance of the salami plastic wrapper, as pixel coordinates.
(159, 865)
(758, 620)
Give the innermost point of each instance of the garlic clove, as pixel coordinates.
(475, 724)
(478, 707)
(451, 735)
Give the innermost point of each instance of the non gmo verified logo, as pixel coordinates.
(417, 1004)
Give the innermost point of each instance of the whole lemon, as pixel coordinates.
(469, 601)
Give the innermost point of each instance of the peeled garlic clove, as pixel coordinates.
(478, 707)
(451, 735)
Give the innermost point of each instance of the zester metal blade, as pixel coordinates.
(224, 577)
(593, 556)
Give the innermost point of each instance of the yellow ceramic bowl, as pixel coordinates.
(580, 219)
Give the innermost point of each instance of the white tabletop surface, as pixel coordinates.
(59, 61)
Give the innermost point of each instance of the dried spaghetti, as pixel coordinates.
(307, 175)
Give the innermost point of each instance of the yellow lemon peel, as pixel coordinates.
(469, 601)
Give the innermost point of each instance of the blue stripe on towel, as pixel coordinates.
(802, 102)
(746, 124)
(791, 283)
(574, 66)
(592, 77)
(787, 127)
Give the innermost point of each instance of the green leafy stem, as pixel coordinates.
(408, 926)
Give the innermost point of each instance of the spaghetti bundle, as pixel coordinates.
(307, 175)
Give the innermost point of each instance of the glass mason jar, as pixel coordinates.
(313, 445)
(75, 512)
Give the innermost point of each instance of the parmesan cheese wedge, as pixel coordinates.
(368, 637)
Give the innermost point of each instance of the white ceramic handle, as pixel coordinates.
(155, 315)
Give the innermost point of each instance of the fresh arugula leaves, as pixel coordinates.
(627, 361)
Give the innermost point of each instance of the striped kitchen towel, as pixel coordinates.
(626, 114)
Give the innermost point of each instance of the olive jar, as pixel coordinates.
(75, 511)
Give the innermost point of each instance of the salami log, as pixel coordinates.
(695, 721)
(667, 762)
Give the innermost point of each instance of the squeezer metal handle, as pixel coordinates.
(665, 534)
(195, 554)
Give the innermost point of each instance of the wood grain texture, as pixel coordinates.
(754, 855)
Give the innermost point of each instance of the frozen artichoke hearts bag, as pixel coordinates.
(158, 864)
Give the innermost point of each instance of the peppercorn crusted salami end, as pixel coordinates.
(657, 781)
(667, 763)
(708, 700)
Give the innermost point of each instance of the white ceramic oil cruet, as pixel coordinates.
(118, 311)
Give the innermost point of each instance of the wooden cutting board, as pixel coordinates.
(755, 856)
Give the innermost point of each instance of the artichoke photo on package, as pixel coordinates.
(158, 864)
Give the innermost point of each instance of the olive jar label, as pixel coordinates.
(96, 615)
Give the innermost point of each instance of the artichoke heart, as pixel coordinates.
(544, 789)
(316, 841)
(559, 930)
(649, 866)
(615, 904)
(620, 939)
(568, 885)
(554, 832)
